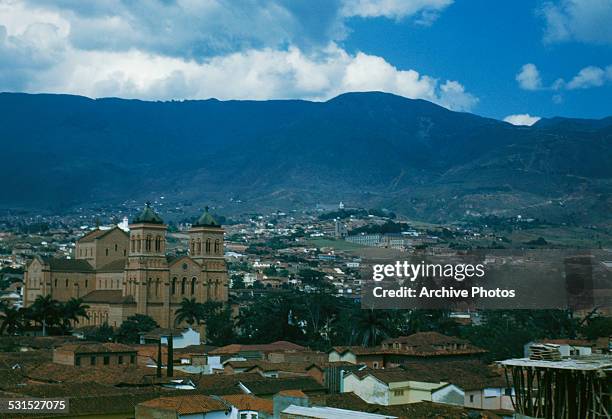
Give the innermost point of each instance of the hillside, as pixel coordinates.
(364, 148)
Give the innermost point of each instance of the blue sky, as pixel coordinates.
(515, 60)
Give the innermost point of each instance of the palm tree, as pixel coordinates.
(46, 311)
(12, 319)
(372, 326)
(190, 312)
(73, 310)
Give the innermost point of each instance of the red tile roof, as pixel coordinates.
(187, 405)
(280, 345)
(419, 345)
(96, 347)
(250, 402)
(107, 296)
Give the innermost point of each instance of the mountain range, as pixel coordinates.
(367, 149)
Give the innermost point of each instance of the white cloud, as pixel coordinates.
(45, 56)
(588, 77)
(425, 11)
(522, 119)
(529, 77)
(579, 20)
(251, 74)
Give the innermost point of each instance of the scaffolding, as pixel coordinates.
(576, 388)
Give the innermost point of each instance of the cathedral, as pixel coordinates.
(119, 274)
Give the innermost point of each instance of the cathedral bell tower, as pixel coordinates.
(206, 248)
(147, 266)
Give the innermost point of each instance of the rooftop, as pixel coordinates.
(206, 220)
(331, 413)
(280, 345)
(107, 296)
(147, 216)
(250, 402)
(583, 363)
(187, 405)
(96, 348)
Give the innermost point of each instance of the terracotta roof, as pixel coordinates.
(114, 266)
(250, 402)
(425, 338)
(271, 386)
(92, 235)
(280, 345)
(96, 347)
(267, 366)
(419, 345)
(292, 393)
(108, 374)
(196, 349)
(37, 342)
(469, 375)
(408, 411)
(187, 405)
(220, 384)
(107, 296)
(68, 265)
(98, 233)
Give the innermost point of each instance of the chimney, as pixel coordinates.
(170, 355)
(159, 358)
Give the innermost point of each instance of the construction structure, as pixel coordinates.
(571, 388)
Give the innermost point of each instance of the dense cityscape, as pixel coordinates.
(277, 329)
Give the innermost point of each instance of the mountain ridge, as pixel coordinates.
(371, 148)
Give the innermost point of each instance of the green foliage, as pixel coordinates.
(190, 312)
(597, 327)
(72, 311)
(11, 319)
(312, 277)
(505, 332)
(103, 333)
(388, 227)
(130, 329)
(238, 282)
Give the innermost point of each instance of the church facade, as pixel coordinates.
(119, 274)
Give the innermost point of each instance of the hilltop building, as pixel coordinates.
(119, 274)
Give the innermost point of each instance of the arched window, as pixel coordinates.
(192, 247)
(207, 246)
(217, 246)
(158, 244)
(157, 287)
(193, 284)
(148, 243)
(199, 247)
(173, 285)
(56, 282)
(183, 283)
(66, 282)
(138, 244)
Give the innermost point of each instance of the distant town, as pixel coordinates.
(176, 310)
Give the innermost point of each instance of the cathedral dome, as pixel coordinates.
(148, 216)
(206, 220)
